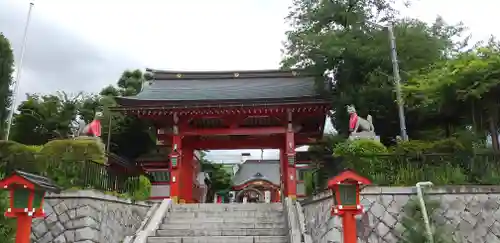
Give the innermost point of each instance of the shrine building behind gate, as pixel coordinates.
(192, 111)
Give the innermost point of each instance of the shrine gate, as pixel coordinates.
(267, 109)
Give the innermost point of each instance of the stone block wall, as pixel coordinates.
(471, 214)
(87, 217)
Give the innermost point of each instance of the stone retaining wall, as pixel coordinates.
(87, 217)
(470, 213)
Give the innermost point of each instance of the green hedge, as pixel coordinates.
(443, 162)
(143, 191)
(64, 161)
(18, 156)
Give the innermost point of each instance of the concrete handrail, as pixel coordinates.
(154, 223)
(149, 214)
(293, 221)
(306, 237)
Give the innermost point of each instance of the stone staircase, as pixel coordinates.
(223, 223)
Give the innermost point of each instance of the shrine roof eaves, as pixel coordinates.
(201, 87)
(127, 104)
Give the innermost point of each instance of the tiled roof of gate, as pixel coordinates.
(173, 87)
(258, 169)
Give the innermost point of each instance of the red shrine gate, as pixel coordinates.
(230, 110)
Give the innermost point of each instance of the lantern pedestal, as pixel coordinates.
(23, 228)
(349, 224)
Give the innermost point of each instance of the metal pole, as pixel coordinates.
(423, 208)
(18, 74)
(397, 81)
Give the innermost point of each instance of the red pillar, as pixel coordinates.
(283, 170)
(349, 225)
(187, 174)
(176, 163)
(291, 180)
(197, 192)
(23, 228)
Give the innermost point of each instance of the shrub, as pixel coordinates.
(63, 160)
(142, 191)
(411, 147)
(309, 183)
(414, 147)
(366, 157)
(16, 156)
(449, 145)
(360, 147)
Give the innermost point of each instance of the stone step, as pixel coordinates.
(177, 220)
(223, 225)
(221, 232)
(227, 207)
(220, 239)
(230, 214)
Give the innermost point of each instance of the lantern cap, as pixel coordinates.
(348, 175)
(33, 181)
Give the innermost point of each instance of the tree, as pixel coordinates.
(220, 179)
(42, 118)
(6, 73)
(343, 38)
(470, 79)
(124, 129)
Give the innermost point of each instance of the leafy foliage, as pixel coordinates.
(220, 179)
(17, 156)
(42, 118)
(63, 160)
(143, 191)
(67, 162)
(451, 161)
(126, 128)
(360, 155)
(470, 80)
(309, 183)
(344, 40)
(6, 73)
(46, 117)
(7, 225)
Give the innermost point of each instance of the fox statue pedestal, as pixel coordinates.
(364, 135)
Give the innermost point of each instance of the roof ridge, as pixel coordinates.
(165, 75)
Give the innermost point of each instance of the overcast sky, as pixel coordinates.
(83, 45)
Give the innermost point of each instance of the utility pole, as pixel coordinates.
(397, 82)
(18, 74)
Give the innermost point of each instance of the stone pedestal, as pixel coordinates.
(364, 135)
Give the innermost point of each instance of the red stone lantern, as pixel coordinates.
(346, 188)
(27, 192)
